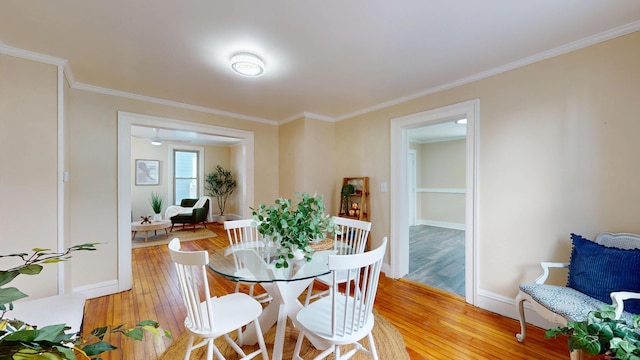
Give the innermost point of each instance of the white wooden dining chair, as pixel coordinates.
(351, 238)
(238, 232)
(207, 317)
(344, 318)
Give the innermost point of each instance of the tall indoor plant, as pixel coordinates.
(220, 183)
(293, 228)
(602, 335)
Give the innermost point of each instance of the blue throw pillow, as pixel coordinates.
(591, 261)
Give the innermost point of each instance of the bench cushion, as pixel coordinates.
(597, 271)
(58, 309)
(567, 302)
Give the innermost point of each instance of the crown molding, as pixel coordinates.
(305, 114)
(154, 100)
(319, 117)
(576, 45)
(30, 55)
(69, 74)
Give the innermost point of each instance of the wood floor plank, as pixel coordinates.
(435, 324)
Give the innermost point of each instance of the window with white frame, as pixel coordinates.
(185, 175)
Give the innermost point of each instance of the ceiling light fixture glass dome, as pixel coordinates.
(247, 64)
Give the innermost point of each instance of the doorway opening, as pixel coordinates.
(436, 168)
(126, 121)
(400, 219)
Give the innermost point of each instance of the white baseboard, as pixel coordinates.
(506, 306)
(442, 224)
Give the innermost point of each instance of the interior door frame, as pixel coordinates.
(125, 121)
(399, 248)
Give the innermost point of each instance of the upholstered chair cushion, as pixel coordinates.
(567, 302)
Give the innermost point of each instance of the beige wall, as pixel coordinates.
(292, 162)
(556, 155)
(28, 180)
(236, 166)
(442, 166)
(307, 160)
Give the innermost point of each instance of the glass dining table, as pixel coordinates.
(253, 262)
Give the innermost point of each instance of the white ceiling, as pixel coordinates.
(445, 131)
(325, 59)
(181, 136)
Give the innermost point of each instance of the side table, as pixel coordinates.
(146, 227)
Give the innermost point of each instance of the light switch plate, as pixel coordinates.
(383, 187)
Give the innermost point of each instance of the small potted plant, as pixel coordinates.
(293, 228)
(219, 184)
(602, 335)
(156, 205)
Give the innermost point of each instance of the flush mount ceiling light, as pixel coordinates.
(461, 122)
(247, 64)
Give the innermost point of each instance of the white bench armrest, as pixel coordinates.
(618, 298)
(545, 270)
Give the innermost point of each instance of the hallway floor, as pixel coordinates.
(436, 257)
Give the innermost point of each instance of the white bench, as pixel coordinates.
(58, 309)
(559, 304)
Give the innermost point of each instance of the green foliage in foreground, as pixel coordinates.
(602, 334)
(21, 341)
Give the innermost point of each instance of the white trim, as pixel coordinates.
(30, 55)
(170, 172)
(125, 121)
(441, 190)
(61, 244)
(306, 115)
(442, 224)
(506, 306)
(154, 100)
(399, 249)
(560, 50)
(69, 74)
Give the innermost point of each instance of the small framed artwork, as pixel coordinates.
(147, 172)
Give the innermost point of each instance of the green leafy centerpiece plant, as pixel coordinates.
(22, 341)
(602, 335)
(292, 228)
(219, 184)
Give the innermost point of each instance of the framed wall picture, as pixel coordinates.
(147, 172)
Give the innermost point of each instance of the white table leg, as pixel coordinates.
(284, 305)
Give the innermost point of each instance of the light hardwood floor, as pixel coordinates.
(434, 324)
